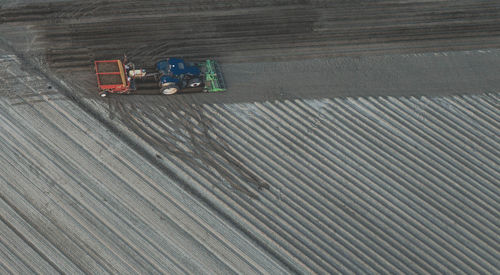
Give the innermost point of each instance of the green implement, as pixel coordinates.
(214, 82)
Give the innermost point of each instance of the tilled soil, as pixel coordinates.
(68, 36)
(270, 51)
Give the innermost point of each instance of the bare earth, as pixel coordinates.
(350, 130)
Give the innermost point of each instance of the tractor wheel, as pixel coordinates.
(169, 89)
(194, 82)
(103, 94)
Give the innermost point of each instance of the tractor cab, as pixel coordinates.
(177, 74)
(177, 67)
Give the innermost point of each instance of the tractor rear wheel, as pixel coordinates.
(170, 89)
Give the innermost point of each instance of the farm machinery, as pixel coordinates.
(169, 76)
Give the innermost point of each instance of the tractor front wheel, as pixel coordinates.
(194, 82)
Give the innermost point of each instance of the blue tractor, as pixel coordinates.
(175, 75)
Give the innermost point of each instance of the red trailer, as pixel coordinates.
(111, 77)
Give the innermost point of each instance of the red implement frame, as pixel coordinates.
(111, 76)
